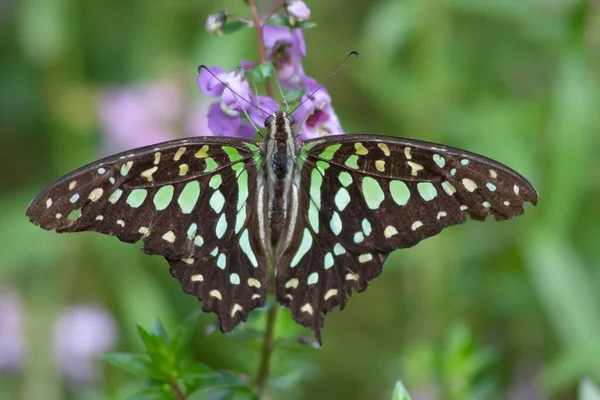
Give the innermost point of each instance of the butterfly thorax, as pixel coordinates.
(280, 147)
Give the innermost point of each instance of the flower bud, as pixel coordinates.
(215, 23)
(297, 11)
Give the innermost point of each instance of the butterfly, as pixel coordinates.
(325, 212)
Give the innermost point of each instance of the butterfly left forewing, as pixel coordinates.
(188, 201)
(364, 196)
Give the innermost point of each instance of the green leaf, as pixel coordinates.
(182, 335)
(262, 73)
(216, 380)
(137, 364)
(283, 21)
(155, 392)
(234, 26)
(294, 94)
(159, 330)
(157, 350)
(400, 392)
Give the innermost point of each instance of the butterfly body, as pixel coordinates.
(325, 213)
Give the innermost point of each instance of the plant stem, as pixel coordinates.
(177, 390)
(267, 350)
(258, 25)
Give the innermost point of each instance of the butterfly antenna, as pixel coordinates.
(237, 98)
(352, 53)
(202, 66)
(287, 106)
(259, 109)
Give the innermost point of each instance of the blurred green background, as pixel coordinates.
(505, 310)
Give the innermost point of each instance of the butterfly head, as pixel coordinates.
(280, 125)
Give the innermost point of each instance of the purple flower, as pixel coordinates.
(12, 335)
(81, 335)
(215, 23)
(140, 115)
(316, 115)
(287, 49)
(297, 11)
(227, 117)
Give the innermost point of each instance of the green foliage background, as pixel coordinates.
(472, 313)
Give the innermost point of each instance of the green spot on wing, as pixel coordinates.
(137, 197)
(427, 190)
(115, 196)
(322, 166)
(215, 181)
(345, 178)
(232, 153)
(329, 151)
(400, 192)
(308, 146)
(189, 197)
(251, 146)
(316, 180)
(304, 247)
(221, 226)
(352, 162)
(245, 246)
(217, 201)
(163, 197)
(211, 165)
(372, 192)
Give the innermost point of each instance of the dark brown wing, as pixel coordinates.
(363, 196)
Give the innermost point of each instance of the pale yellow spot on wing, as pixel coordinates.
(307, 308)
(95, 194)
(253, 282)
(407, 153)
(493, 174)
(351, 276)
(416, 225)
(197, 278)
(156, 158)
(72, 185)
(380, 165)
(183, 169)
(415, 168)
(179, 153)
(189, 260)
(147, 174)
(360, 149)
(48, 203)
(202, 153)
(216, 293)
(292, 283)
(390, 231)
(441, 214)
(516, 189)
(469, 184)
(384, 148)
(236, 308)
(330, 293)
(169, 237)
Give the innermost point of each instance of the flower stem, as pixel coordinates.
(258, 25)
(177, 390)
(267, 351)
